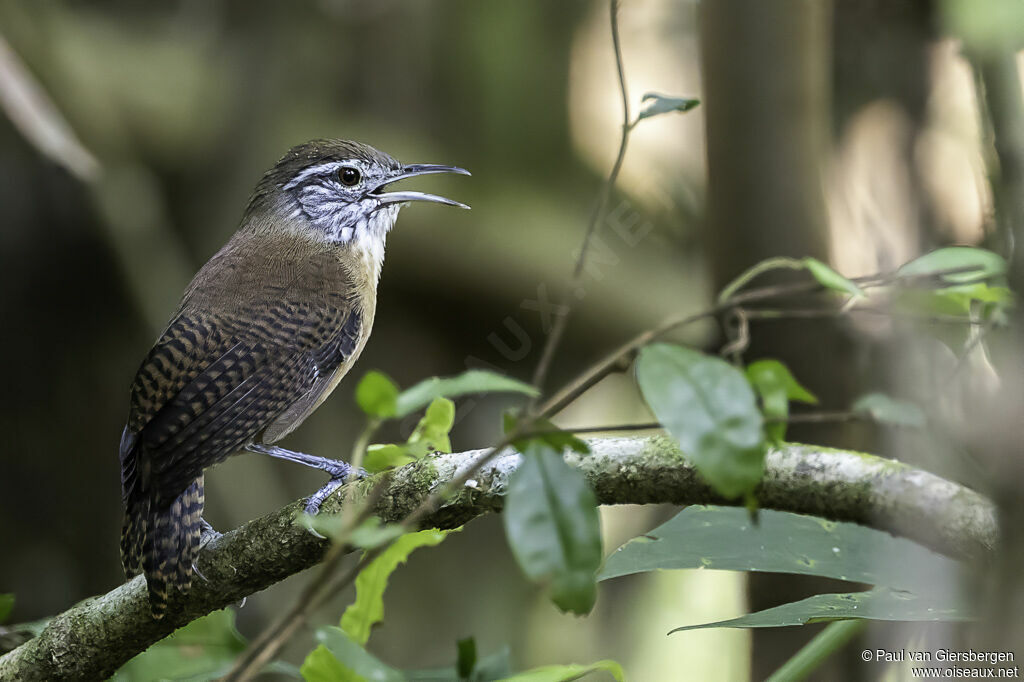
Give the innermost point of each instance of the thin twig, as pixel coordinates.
(619, 357)
(597, 216)
(35, 115)
(816, 313)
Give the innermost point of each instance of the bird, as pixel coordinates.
(262, 335)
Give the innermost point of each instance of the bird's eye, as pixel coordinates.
(349, 176)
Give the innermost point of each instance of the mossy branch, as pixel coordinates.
(95, 637)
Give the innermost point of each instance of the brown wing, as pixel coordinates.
(212, 383)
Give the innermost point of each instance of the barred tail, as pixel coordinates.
(162, 542)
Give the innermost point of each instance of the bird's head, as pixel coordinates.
(336, 191)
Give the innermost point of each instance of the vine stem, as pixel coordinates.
(597, 216)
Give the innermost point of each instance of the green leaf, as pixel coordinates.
(368, 608)
(386, 456)
(663, 104)
(470, 381)
(322, 666)
(983, 264)
(466, 661)
(430, 435)
(723, 538)
(885, 409)
(6, 606)
(566, 673)
(204, 649)
(958, 299)
(552, 524)
(377, 395)
(830, 279)
(432, 430)
(777, 386)
(339, 659)
(708, 406)
(878, 604)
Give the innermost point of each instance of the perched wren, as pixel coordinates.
(263, 334)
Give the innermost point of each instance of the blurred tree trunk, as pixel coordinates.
(766, 78)
(998, 434)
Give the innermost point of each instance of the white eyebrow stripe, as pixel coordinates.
(320, 169)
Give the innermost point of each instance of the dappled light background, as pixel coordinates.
(185, 104)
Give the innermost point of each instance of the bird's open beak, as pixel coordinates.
(411, 171)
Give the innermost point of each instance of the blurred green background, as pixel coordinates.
(848, 130)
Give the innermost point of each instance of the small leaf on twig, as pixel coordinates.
(377, 395)
(976, 264)
(777, 386)
(830, 279)
(662, 104)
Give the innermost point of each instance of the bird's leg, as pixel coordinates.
(206, 535)
(337, 470)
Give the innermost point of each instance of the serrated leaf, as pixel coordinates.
(883, 408)
(566, 673)
(662, 104)
(708, 406)
(6, 606)
(983, 264)
(830, 279)
(470, 381)
(723, 538)
(553, 527)
(339, 659)
(377, 395)
(368, 608)
(777, 386)
(878, 604)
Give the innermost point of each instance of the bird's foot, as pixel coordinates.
(206, 535)
(338, 478)
(338, 471)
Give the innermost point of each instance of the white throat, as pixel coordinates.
(370, 236)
